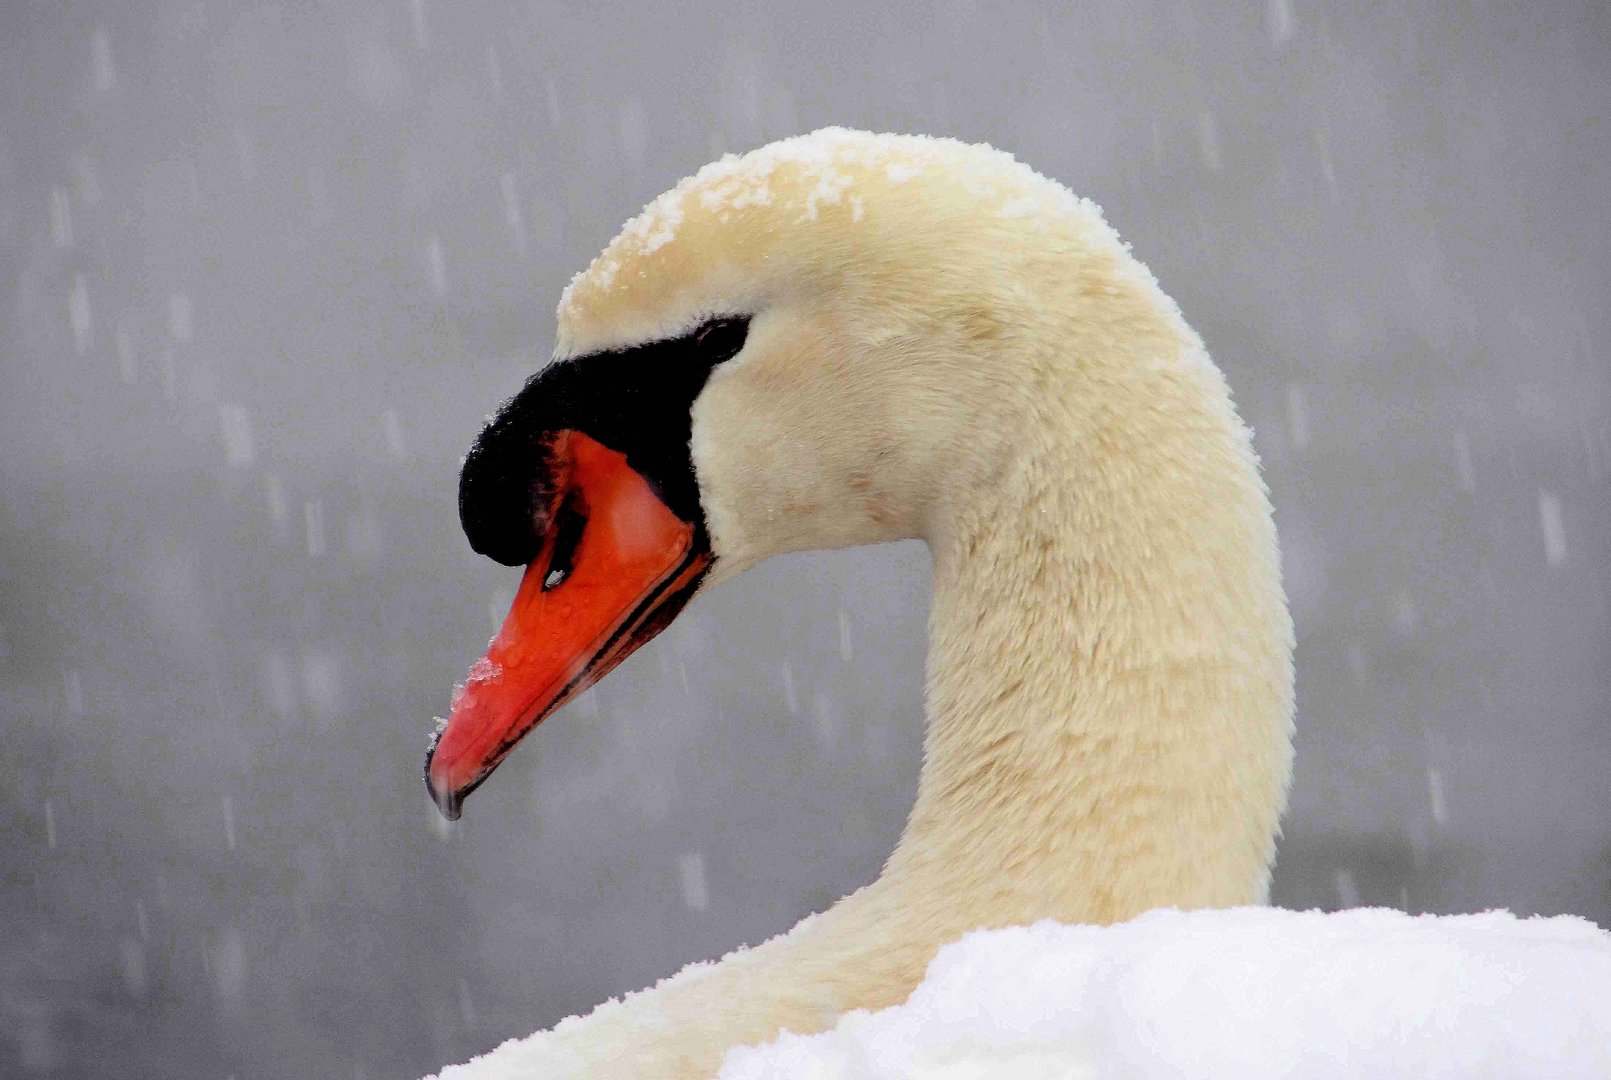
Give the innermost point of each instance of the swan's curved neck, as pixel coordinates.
(1109, 678)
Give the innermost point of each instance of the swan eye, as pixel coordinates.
(568, 526)
(721, 339)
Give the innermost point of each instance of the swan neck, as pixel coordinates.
(1109, 687)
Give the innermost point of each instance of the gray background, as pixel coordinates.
(266, 268)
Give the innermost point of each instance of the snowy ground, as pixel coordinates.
(1244, 994)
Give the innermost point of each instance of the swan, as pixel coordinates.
(846, 338)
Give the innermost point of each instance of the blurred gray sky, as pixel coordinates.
(267, 267)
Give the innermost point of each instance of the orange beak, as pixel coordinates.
(615, 567)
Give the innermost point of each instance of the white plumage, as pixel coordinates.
(945, 344)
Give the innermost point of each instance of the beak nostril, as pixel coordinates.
(569, 524)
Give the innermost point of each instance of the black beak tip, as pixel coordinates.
(451, 806)
(450, 803)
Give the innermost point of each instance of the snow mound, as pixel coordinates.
(1247, 993)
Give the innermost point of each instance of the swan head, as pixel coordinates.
(812, 345)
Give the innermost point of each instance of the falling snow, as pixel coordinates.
(61, 217)
(168, 373)
(274, 498)
(135, 979)
(1297, 416)
(1347, 889)
(313, 527)
(1208, 141)
(1549, 517)
(78, 310)
(1280, 14)
(227, 960)
(279, 688)
(394, 435)
(495, 73)
(1434, 790)
(827, 724)
(791, 697)
(245, 153)
(422, 39)
(1462, 462)
(123, 346)
(512, 214)
(73, 692)
(691, 873)
(86, 180)
(634, 131)
(236, 424)
(228, 805)
(322, 676)
(180, 323)
(1406, 615)
(101, 52)
(436, 265)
